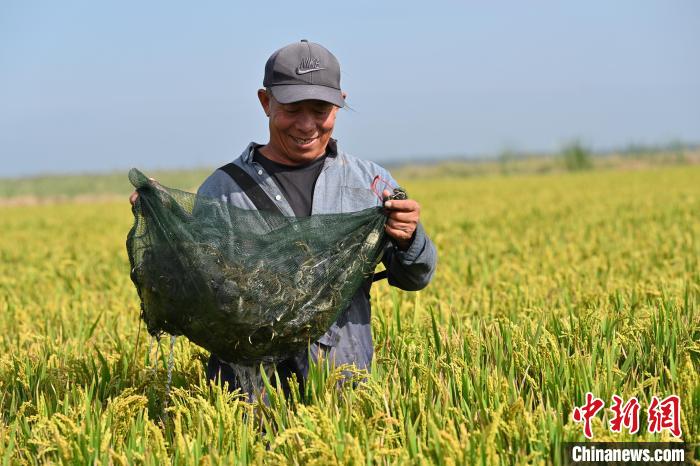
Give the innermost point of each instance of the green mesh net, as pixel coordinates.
(247, 285)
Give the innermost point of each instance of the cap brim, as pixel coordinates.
(290, 93)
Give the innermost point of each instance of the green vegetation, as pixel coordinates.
(576, 157)
(90, 187)
(548, 286)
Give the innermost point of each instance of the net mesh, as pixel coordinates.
(249, 286)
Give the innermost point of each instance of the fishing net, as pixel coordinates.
(248, 285)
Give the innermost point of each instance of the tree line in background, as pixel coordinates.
(573, 156)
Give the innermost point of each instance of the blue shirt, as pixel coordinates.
(343, 185)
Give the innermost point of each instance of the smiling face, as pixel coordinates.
(299, 131)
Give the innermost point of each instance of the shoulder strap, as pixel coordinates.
(380, 275)
(255, 193)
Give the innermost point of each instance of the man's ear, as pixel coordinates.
(264, 99)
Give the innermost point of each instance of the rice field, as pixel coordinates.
(548, 287)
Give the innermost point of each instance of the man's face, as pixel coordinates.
(300, 131)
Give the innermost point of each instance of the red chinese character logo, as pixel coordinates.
(665, 414)
(588, 411)
(626, 415)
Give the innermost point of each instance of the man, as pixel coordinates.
(302, 171)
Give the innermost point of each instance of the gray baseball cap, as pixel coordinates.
(303, 71)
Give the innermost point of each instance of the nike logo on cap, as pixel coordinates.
(300, 71)
(308, 64)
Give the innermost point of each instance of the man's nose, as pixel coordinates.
(305, 122)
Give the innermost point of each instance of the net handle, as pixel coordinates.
(376, 182)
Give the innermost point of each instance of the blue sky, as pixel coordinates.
(94, 86)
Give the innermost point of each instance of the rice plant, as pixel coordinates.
(548, 287)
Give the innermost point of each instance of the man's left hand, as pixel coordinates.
(403, 220)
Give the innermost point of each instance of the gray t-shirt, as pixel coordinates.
(296, 182)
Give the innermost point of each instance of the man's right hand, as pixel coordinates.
(135, 195)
